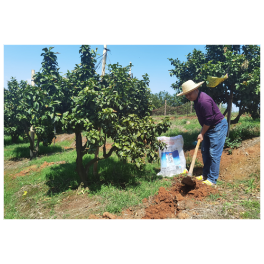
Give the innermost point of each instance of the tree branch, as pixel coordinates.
(105, 156)
(84, 146)
(104, 148)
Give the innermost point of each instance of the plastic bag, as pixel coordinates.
(172, 158)
(214, 81)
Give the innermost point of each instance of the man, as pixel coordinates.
(213, 133)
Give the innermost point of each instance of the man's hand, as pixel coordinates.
(200, 136)
(203, 131)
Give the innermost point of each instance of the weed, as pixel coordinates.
(65, 216)
(252, 210)
(219, 183)
(232, 144)
(251, 185)
(214, 197)
(188, 159)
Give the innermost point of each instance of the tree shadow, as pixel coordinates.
(111, 172)
(8, 141)
(24, 152)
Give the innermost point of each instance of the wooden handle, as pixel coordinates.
(194, 156)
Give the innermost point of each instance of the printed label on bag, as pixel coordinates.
(170, 159)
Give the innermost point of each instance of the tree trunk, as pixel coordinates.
(95, 166)
(37, 146)
(31, 147)
(229, 111)
(240, 113)
(14, 138)
(32, 143)
(79, 163)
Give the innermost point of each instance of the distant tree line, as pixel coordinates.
(158, 99)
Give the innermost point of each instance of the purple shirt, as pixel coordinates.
(206, 110)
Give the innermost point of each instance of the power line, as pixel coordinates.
(102, 57)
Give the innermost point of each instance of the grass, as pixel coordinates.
(118, 186)
(240, 198)
(21, 150)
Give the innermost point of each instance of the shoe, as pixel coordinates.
(199, 178)
(207, 182)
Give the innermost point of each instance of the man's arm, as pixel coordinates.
(204, 129)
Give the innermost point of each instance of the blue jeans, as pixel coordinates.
(212, 148)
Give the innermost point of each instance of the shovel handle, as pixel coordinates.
(194, 156)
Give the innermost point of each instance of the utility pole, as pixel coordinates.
(95, 167)
(104, 60)
(130, 70)
(165, 107)
(32, 132)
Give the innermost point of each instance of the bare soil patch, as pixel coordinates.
(240, 164)
(35, 168)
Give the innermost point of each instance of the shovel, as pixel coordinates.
(188, 180)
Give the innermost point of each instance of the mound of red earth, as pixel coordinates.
(171, 203)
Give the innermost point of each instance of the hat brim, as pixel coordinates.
(195, 87)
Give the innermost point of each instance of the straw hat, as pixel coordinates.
(189, 86)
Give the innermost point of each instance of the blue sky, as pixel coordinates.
(19, 60)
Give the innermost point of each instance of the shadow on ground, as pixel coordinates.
(8, 141)
(111, 172)
(24, 152)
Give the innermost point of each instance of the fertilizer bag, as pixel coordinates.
(172, 158)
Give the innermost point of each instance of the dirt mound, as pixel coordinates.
(169, 203)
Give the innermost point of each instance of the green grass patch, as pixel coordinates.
(252, 210)
(119, 185)
(21, 150)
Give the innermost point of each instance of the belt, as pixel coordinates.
(212, 127)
